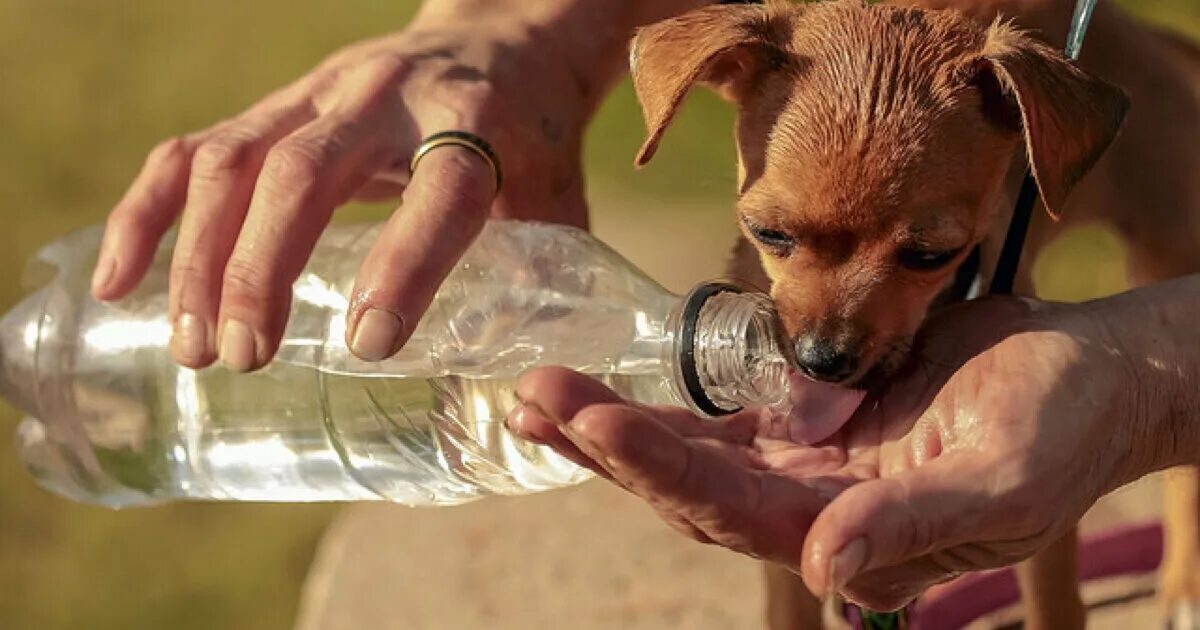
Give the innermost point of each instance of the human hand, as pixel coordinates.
(1009, 422)
(1012, 421)
(256, 191)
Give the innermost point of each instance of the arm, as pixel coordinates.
(1155, 329)
(592, 37)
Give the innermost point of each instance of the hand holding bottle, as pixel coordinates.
(256, 191)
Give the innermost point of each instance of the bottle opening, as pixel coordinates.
(729, 354)
(690, 374)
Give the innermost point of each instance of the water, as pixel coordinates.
(414, 441)
(113, 420)
(410, 440)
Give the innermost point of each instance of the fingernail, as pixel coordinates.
(191, 338)
(614, 464)
(102, 276)
(521, 417)
(237, 346)
(847, 563)
(376, 335)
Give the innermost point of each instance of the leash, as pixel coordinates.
(1018, 226)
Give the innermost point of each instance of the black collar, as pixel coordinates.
(967, 281)
(1014, 240)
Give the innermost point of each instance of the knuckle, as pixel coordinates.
(387, 68)
(222, 154)
(292, 164)
(123, 219)
(188, 270)
(246, 280)
(167, 151)
(131, 220)
(370, 84)
(471, 85)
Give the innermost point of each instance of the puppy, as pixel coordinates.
(877, 146)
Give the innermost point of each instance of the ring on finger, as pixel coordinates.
(458, 138)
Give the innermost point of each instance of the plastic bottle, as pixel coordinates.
(113, 420)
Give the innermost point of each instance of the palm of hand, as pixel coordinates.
(968, 414)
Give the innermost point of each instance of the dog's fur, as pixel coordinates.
(877, 145)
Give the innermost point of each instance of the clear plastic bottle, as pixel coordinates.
(113, 420)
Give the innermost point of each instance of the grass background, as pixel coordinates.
(87, 88)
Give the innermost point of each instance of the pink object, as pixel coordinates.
(1127, 550)
(818, 409)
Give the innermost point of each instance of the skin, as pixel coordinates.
(253, 193)
(1011, 420)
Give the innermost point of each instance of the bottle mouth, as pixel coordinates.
(689, 372)
(728, 351)
(729, 356)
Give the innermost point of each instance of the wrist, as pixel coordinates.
(1149, 332)
(589, 38)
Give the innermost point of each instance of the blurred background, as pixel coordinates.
(89, 87)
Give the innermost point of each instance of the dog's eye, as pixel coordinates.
(925, 259)
(771, 238)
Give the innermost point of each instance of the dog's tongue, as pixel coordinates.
(818, 410)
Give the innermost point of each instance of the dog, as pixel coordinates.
(879, 145)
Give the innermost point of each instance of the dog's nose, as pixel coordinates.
(824, 360)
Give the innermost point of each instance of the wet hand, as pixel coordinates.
(1005, 426)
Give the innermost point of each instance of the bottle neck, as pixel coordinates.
(728, 350)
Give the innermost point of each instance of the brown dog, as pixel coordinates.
(878, 145)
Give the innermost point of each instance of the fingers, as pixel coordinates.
(655, 462)
(305, 177)
(223, 174)
(563, 393)
(695, 483)
(262, 191)
(139, 220)
(886, 522)
(444, 209)
(552, 396)
(696, 473)
(531, 423)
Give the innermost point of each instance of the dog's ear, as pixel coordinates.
(722, 46)
(1068, 116)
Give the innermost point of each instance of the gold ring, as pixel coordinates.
(464, 139)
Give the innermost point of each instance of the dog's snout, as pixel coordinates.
(824, 359)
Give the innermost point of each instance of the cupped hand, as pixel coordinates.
(256, 191)
(1010, 420)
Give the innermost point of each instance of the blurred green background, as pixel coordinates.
(88, 87)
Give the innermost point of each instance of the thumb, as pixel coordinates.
(885, 522)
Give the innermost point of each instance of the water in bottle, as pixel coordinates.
(113, 420)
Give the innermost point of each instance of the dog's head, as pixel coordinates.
(873, 145)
